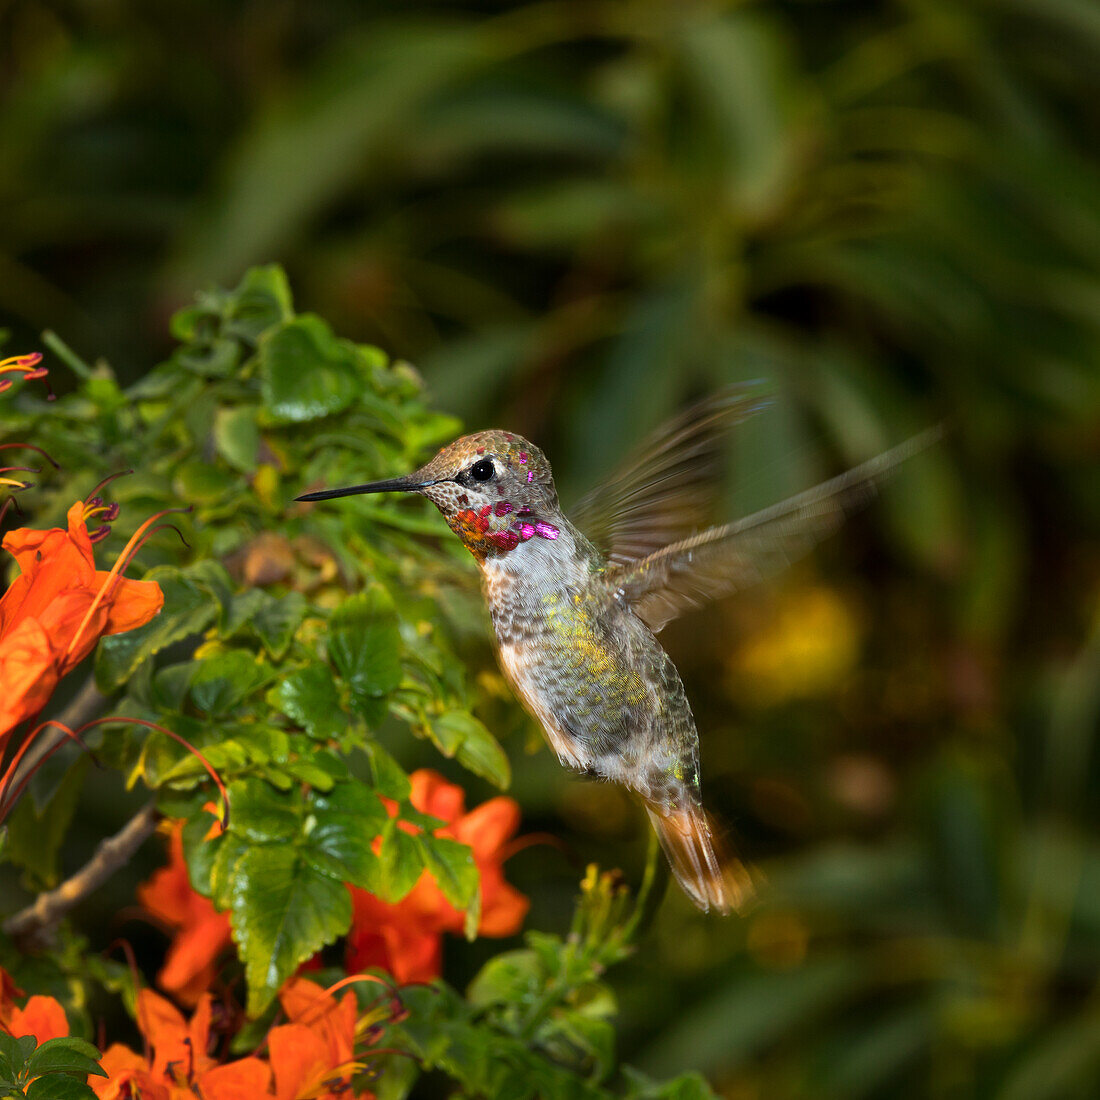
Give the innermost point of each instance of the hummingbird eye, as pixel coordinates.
(482, 470)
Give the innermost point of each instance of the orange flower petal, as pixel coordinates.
(202, 933)
(405, 938)
(58, 588)
(502, 911)
(127, 1076)
(488, 826)
(432, 794)
(28, 671)
(306, 1003)
(246, 1079)
(41, 1017)
(130, 604)
(163, 1025)
(299, 1060)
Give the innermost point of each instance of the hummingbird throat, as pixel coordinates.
(497, 529)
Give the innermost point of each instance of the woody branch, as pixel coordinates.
(112, 853)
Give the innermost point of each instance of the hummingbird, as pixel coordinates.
(576, 615)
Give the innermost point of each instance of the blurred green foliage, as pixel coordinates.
(571, 216)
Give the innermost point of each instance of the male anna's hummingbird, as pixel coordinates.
(575, 625)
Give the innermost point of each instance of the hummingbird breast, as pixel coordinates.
(606, 694)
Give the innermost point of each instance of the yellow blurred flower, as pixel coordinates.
(810, 645)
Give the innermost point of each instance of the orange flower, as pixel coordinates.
(181, 1067)
(42, 1017)
(56, 610)
(313, 1055)
(202, 932)
(406, 938)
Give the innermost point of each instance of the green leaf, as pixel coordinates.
(192, 600)
(262, 815)
(310, 697)
(389, 777)
(262, 300)
(201, 483)
(401, 862)
(59, 1088)
(452, 866)
(35, 834)
(283, 911)
(64, 1055)
(230, 850)
(199, 853)
(688, 1086)
(237, 436)
(307, 372)
(458, 733)
(346, 822)
(365, 644)
(276, 620)
(512, 977)
(224, 681)
(12, 1057)
(215, 359)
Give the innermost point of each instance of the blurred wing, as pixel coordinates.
(664, 490)
(725, 559)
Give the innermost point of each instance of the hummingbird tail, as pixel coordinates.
(709, 873)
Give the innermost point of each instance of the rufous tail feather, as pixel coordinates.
(708, 872)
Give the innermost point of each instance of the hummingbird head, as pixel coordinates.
(495, 490)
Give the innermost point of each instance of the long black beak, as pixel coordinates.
(394, 485)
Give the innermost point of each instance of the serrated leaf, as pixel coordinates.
(400, 862)
(309, 696)
(452, 866)
(231, 849)
(306, 371)
(262, 815)
(283, 911)
(365, 644)
(199, 853)
(67, 1054)
(347, 821)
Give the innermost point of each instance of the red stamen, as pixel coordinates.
(124, 721)
(107, 481)
(32, 447)
(6, 802)
(135, 977)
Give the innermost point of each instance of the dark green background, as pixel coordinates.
(573, 217)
